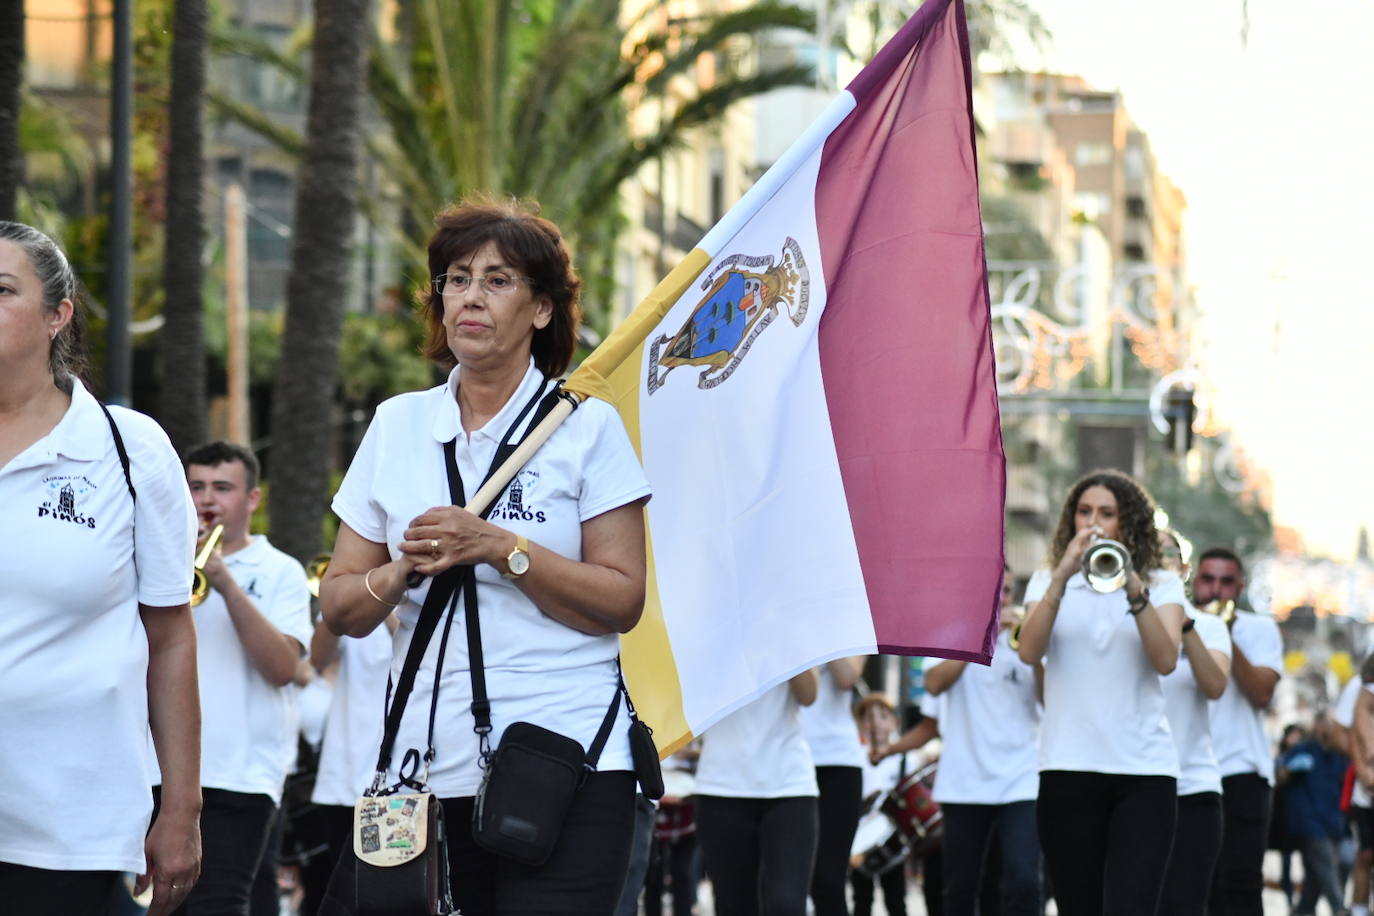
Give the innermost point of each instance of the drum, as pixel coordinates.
(675, 820)
(677, 812)
(878, 846)
(915, 812)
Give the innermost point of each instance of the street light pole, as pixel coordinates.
(118, 354)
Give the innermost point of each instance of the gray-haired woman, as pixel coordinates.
(96, 638)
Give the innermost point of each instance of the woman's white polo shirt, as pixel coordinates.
(538, 670)
(74, 656)
(1104, 706)
(1187, 711)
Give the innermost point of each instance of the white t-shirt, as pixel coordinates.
(538, 670)
(990, 725)
(314, 700)
(758, 751)
(1238, 735)
(1187, 710)
(78, 557)
(829, 725)
(883, 776)
(1344, 714)
(353, 731)
(248, 727)
(1104, 707)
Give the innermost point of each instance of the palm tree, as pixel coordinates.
(476, 95)
(326, 204)
(11, 79)
(533, 100)
(181, 402)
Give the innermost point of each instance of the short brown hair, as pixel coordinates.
(213, 454)
(870, 700)
(531, 244)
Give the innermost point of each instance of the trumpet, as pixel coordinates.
(1226, 610)
(314, 572)
(1014, 639)
(1106, 564)
(200, 586)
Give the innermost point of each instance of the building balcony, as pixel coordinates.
(1027, 493)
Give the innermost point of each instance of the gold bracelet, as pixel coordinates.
(367, 584)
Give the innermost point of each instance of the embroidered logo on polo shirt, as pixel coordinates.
(66, 497)
(518, 504)
(251, 589)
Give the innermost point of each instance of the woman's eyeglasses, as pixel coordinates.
(496, 284)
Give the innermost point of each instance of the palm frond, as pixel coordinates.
(284, 138)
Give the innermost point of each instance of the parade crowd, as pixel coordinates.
(204, 747)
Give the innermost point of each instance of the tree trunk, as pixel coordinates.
(181, 400)
(11, 79)
(326, 202)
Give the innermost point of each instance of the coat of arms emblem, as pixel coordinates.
(743, 294)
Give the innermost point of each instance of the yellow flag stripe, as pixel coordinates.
(627, 340)
(612, 373)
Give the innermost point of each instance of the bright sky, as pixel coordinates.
(1273, 144)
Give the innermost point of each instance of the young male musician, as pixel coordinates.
(1238, 737)
(252, 629)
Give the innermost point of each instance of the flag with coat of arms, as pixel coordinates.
(812, 394)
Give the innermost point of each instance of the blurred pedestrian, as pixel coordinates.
(1204, 665)
(1352, 711)
(1238, 736)
(1314, 772)
(756, 804)
(833, 738)
(989, 720)
(884, 861)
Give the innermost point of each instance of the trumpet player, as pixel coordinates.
(1203, 668)
(1238, 737)
(252, 628)
(1108, 769)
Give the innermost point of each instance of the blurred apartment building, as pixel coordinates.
(1064, 165)
(68, 50)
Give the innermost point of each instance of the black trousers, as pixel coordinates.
(968, 830)
(265, 899)
(838, 809)
(46, 892)
(893, 883)
(336, 823)
(1239, 883)
(234, 827)
(680, 861)
(1197, 843)
(584, 875)
(758, 853)
(1106, 839)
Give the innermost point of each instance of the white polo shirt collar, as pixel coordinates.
(81, 435)
(252, 555)
(448, 422)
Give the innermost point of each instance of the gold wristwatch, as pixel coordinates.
(518, 560)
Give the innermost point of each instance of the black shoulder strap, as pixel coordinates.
(119, 447)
